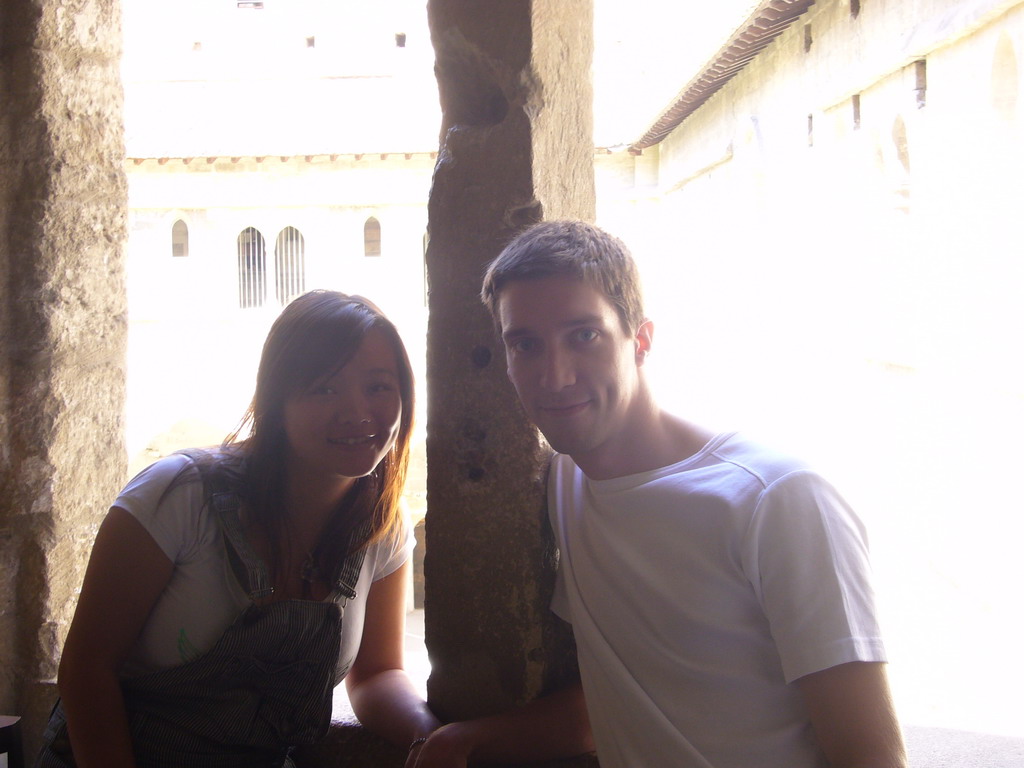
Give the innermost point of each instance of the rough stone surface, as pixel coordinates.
(516, 147)
(62, 324)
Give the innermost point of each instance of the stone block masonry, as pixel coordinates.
(62, 325)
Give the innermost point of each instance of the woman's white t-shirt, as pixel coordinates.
(203, 597)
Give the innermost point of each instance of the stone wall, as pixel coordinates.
(62, 327)
(858, 143)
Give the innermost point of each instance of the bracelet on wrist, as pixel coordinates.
(417, 742)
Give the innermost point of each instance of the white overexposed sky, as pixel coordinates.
(645, 51)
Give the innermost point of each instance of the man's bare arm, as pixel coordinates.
(550, 727)
(853, 716)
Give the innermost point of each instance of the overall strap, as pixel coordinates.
(348, 574)
(249, 565)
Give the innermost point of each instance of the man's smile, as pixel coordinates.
(567, 409)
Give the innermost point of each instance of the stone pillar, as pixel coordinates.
(516, 147)
(63, 203)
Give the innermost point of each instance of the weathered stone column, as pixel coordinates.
(63, 202)
(516, 147)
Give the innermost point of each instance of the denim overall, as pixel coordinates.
(263, 688)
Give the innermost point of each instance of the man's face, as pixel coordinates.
(574, 367)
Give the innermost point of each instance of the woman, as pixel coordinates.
(229, 591)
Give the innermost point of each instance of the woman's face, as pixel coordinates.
(343, 424)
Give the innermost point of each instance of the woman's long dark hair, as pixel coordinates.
(315, 336)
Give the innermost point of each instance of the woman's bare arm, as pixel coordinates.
(382, 696)
(127, 572)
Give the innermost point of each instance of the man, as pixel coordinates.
(718, 592)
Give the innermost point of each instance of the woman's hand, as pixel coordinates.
(382, 696)
(553, 726)
(442, 749)
(385, 702)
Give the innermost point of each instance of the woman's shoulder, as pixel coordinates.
(179, 479)
(191, 465)
(158, 476)
(169, 498)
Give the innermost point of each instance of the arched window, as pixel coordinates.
(289, 264)
(252, 268)
(371, 237)
(179, 238)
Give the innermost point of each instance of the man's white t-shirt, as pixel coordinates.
(697, 593)
(203, 596)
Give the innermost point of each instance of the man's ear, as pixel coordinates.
(644, 339)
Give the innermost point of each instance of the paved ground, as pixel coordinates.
(947, 748)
